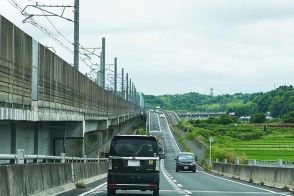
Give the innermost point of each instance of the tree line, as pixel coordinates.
(277, 103)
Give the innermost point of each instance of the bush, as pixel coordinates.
(221, 154)
(288, 118)
(258, 118)
(80, 185)
(226, 119)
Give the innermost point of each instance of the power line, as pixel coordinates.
(48, 32)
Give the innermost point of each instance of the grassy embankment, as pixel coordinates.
(243, 141)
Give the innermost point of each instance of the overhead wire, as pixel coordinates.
(49, 33)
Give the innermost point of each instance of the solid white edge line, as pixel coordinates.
(159, 125)
(94, 189)
(240, 183)
(171, 133)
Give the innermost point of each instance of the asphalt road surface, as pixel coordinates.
(188, 183)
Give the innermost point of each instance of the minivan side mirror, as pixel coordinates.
(161, 156)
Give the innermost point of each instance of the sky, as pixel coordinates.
(179, 46)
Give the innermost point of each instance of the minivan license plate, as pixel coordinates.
(133, 163)
(185, 167)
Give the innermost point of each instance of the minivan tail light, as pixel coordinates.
(110, 164)
(157, 165)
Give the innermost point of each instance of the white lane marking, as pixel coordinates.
(231, 192)
(179, 185)
(240, 183)
(170, 133)
(167, 178)
(94, 189)
(175, 180)
(159, 125)
(188, 192)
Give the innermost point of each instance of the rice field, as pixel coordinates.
(270, 148)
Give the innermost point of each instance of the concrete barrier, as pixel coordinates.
(88, 170)
(270, 176)
(29, 179)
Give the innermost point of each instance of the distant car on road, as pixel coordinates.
(133, 164)
(159, 137)
(186, 161)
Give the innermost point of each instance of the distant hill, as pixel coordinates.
(278, 102)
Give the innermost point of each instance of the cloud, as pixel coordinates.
(172, 46)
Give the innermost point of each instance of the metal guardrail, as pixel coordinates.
(271, 163)
(265, 163)
(21, 158)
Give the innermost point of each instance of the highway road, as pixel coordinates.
(188, 183)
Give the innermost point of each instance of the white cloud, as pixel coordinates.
(172, 46)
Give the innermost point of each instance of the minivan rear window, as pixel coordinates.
(134, 148)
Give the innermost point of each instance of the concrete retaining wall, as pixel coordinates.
(270, 176)
(35, 178)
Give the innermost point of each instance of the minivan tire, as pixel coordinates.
(111, 192)
(155, 192)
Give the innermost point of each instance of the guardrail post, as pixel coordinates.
(216, 160)
(253, 162)
(99, 169)
(280, 162)
(62, 157)
(85, 158)
(237, 161)
(225, 161)
(20, 156)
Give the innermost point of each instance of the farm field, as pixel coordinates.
(264, 149)
(244, 140)
(279, 144)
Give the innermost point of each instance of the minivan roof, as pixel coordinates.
(146, 137)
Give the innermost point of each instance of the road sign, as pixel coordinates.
(211, 139)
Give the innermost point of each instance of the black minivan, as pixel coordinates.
(133, 164)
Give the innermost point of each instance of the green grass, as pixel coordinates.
(245, 140)
(271, 147)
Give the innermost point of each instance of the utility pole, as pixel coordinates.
(115, 75)
(122, 83)
(127, 87)
(130, 94)
(76, 34)
(103, 63)
(99, 72)
(135, 93)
